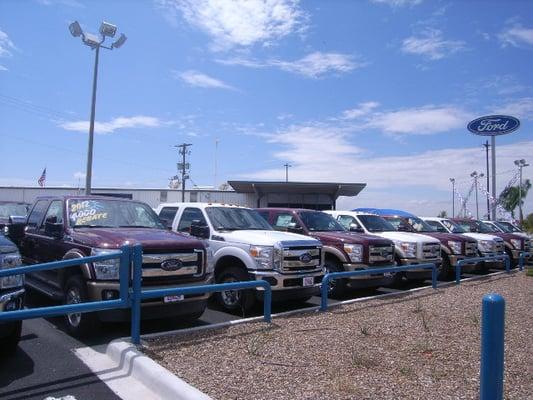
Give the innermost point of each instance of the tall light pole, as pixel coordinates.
(287, 165)
(95, 42)
(452, 180)
(520, 164)
(183, 166)
(487, 146)
(476, 176)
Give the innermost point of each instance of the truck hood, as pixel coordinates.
(407, 237)
(265, 238)
(350, 237)
(507, 236)
(7, 243)
(150, 239)
(482, 236)
(445, 237)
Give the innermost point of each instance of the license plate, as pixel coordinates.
(309, 281)
(387, 274)
(173, 299)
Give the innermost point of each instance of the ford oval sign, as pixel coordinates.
(306, 258)
(172, 264)
(494, 125)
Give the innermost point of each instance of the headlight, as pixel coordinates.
(409, 249)
(263, 256)
(355, 252)
(108, 269)
(455, 246)
(486, 246)
(210, 259)
(516, 243)
(11, 260)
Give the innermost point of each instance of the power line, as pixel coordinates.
(184, 167)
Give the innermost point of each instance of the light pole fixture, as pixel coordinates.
(475, 175)
(452, 180)
(95, 42)
(520, 164)
(287, 165)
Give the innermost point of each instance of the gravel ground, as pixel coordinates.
(423, 345)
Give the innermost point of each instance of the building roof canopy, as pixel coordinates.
(333, 189)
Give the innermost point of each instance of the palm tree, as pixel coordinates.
(510, 197)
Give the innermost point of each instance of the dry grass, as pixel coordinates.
(424, 345)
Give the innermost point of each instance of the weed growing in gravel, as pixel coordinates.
(359, 360)
(364, 331)
(475, 319)
(407, 371)
(418, 309)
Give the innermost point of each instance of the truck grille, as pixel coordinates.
(527, 245)
(301, 259)
(169, 268)
(471, 249)
(380, 254)
(430, 251)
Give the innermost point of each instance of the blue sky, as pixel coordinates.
(376, 91)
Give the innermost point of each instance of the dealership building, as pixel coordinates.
(312, 195)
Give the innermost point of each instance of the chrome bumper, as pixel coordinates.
(282, 279)
(15, 295)
(365, 267)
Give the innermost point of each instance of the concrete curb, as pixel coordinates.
(156, 378)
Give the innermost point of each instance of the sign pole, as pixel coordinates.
(493, 153)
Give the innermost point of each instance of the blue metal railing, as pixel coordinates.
(139, 294)
(389, 269)
(123, 302)
(492, 347)
(460, 263)
(521, 259)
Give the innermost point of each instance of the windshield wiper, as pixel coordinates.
(135, 226)
(94, 226)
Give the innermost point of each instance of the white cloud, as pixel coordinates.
(362, 110)
(68, 3)
(521, 108)
(79, 175)
(516, 36)
(313, 65)
(138, 121)
(431, 45)
(197, 79)
(398, 3)
(239, 23)
(6, 45)
(420, 121)
(2, 68)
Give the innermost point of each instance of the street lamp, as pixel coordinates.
(95, 42)
(452, 180)
(520, 164)
(475, 175)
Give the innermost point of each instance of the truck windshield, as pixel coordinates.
(235, 219)
(374, 223)
(317, 221)
(477, 226)
(102, 213)
(509, 226)
(504, 227)
(420, 225)
(452, 226)
(13, 209)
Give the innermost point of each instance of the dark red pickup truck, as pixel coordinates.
(343, 250)
(68, 227)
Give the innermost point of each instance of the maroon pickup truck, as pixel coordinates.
(343, 250)
(67, 227)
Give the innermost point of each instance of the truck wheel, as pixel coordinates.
(79, 324)
(444, 271)
(8, 345)
(513, 261)
(232, 300)
(337, 287)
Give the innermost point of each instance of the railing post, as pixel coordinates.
(434, 276)
(124, 274)
(521, 260)
(267, 304)
(324, 292)
(507, 264)
(136, 295)
(492, 347)
(458, 272)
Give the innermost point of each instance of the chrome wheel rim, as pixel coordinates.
(74, 297)
(231, 298)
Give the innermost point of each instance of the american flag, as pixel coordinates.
(42, 179)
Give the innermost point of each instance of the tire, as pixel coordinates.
(81, 324)
(337, 287)
(514, 261)
(192, 317)
(397, 279)
(8, 345)
(444, 272)
(233, 300)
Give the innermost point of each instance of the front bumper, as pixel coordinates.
(493, 263)
(10, 300)
(466, 267)
(151, 308)
(367, 280)
(280, 281)
(419, 273)
(516, 255)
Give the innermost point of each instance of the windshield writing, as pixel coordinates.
(453, 227)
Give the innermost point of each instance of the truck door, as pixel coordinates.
(30, 246)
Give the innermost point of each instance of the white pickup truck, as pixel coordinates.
(409, 248)
(245, 247)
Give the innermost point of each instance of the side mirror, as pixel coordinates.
(293, 227)
(403, 228)
(356, 228)
(200, 231)
(53, 229)
(16, 228)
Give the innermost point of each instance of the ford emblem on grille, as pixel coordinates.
(306, 258)
(171, 265)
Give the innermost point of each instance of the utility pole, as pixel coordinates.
(216, 164)
(452, 180)
(287, 165)
(520, 164)
(486, 145)
(476, 176)
(183, 166)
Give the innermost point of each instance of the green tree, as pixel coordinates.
(528, 223)
(443, 214)
(510, 197)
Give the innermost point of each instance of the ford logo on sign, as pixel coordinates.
(171, 265)
(494, 125)
(306, 258)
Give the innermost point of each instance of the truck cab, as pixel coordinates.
(245, 247)
(67, 227)
(343, 250)
(409, 248)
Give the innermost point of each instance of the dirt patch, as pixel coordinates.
(424, 345)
